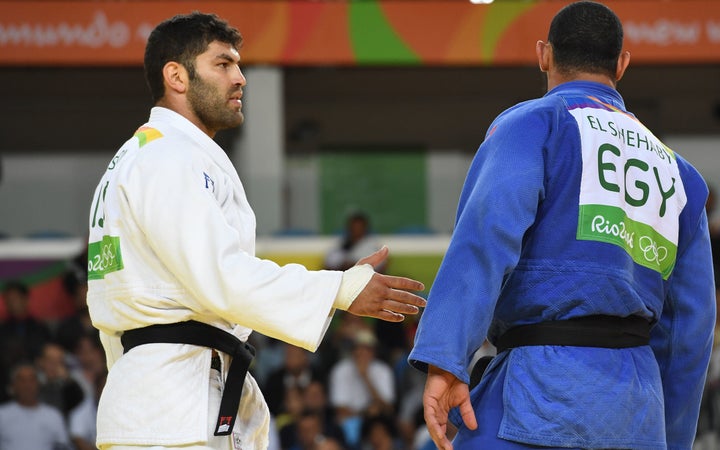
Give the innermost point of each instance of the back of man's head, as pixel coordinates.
(586, 37)
(181, 39)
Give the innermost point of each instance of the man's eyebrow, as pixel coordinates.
(228, 57)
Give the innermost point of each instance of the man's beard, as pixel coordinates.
(211, 107)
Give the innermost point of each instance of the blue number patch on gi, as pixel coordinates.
(209, 183)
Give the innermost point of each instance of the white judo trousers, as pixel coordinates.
(214, 442)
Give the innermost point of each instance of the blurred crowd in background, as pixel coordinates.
(357, 392)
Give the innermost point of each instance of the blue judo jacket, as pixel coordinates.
(572, 207)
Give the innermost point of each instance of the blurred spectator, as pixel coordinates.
(72, 328)
(348, 327)
(287, 419)
(393, 346)
(361, 386)
(273, 435)
(26, 423)
(310, 434)
(269, 356)
(357, 243)
(410, 387)
(82, 420)
(339, 341)
(421, 438)
(58, 387)
(379, 433)
(21, 336)
(89, 363)
(315, 399)
(411, 384)
(311, 399)
(296, 371)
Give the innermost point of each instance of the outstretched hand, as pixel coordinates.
(444, 391)
(386, 297)
(376, 259)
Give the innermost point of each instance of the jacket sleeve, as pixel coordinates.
(188, 230)
(682, 339)
(498, 204)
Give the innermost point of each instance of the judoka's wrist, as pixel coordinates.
(353, 282)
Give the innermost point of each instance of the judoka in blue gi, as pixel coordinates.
(581, 250)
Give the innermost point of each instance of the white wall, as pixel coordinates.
(302, 194)
(259, 153)
(54, 191)
(446, 173)
(48, 192)
(703, 152)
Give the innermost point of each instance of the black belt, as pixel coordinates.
(203, 335)
(588, 331)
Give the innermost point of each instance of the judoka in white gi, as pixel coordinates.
(172, 239)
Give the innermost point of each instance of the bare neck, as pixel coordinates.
(556, 78)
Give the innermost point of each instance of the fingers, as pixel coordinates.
(400, 307)
(436, 429)
(443, 443)
(468, 414)
(401, 303)
(384, 298)
(389, 316)
(399, 300)
(376, 258)
(403, 283)
(406, 298)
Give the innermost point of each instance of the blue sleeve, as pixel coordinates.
(497, 205)
(682, 339)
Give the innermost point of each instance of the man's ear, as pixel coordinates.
(176, 77)
(622, 65)
(543, 51)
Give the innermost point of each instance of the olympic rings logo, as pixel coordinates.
(652, 251)
(103, 260)
(108, 256)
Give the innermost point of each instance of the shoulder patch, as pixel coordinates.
(147, 134)
(104, 257)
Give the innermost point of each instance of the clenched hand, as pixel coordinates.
(444, 391)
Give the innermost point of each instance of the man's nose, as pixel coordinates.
(239, 78)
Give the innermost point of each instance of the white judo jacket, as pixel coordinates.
(172, 238)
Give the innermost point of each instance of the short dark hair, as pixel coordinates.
(181, 39)
(586, 36)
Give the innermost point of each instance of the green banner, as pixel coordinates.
(388, 185)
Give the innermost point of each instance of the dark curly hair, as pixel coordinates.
(181, 39)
